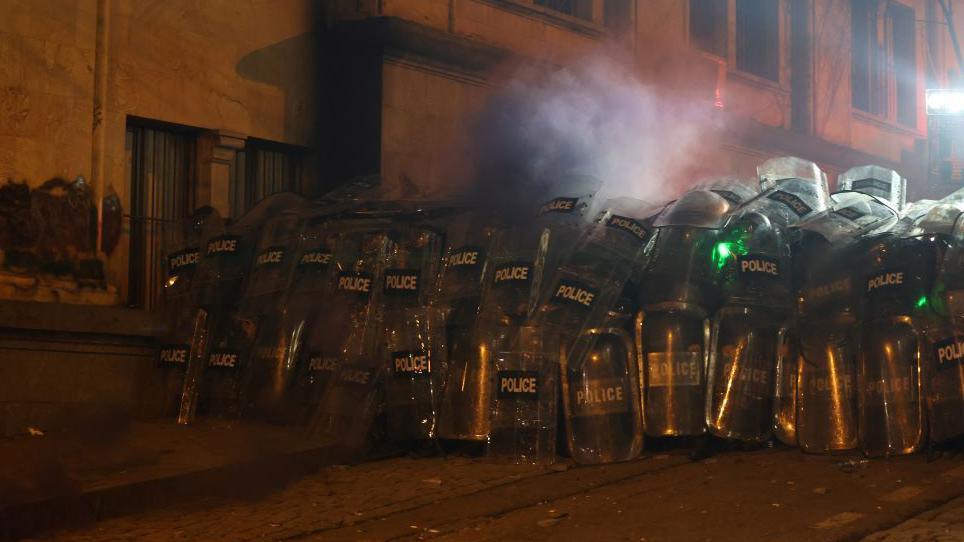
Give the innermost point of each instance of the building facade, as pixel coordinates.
(175, 105)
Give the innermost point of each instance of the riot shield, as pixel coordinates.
(600, 391)
(523, 420)
(822, 367)
(825, 408)
(213, 374)
(882, 183)
(945, 379)
(213, 379)
(576, 319)
(349, 331)
(463, 414)
(897, 277)
(308, 296)
(755, 280)
(183, 253)
(519, 255)
(264, 374)
(414, 334)
(677, 296)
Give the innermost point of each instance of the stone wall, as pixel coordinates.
(244, 69)
(65, 367)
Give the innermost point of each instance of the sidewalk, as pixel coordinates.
(72, 479)
(776, 494)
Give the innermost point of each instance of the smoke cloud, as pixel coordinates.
(591, 118)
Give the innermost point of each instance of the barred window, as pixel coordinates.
(160, 162)
(263, 168)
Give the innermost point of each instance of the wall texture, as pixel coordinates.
(242, 68)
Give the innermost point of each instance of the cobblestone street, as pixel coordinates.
(777, 494)
(944, 523)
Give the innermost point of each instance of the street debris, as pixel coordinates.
(852, 465)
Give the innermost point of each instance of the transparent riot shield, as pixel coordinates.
(575, 318)
(217, 286)
(940, 367)
(786, 384)
(414, 334)
(756, 283)
(745, 334)
(183, 253)
(308, 296)
(263, 303)
(945, 382)
(741, 368)
(823, 334)
(213, 379)
(463, 414)
(600, 391)
(524, 422)
(827, 394)
(519, 255)
(898, 275)
(349, 331)
(517, 261)
(885, 184)
(677, 295)
(826, 404)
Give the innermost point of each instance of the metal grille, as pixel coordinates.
(162, 192)
(261, 170)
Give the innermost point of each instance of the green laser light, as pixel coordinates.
(723, 250)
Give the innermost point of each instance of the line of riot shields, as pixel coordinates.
(747, 312)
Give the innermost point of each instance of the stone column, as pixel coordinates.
(215, 158)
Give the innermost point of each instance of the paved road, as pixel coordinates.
(778, 494)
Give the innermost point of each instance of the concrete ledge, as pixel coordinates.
(67, 318)
(152, 465)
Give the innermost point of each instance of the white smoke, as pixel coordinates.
(592, 118)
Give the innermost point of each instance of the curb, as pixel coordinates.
(248, 479)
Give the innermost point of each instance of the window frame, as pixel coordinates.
(146, 231)
(740, 38)
(528, 8)
(723, 51)
(782, 82)
(243, 169)
(887, 112)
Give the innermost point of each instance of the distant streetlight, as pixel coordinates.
(944, 102)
